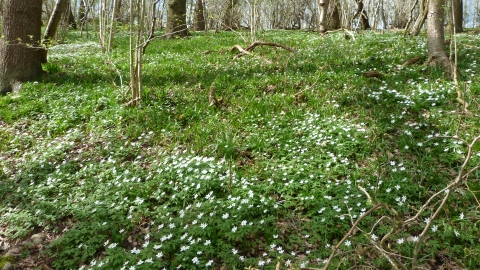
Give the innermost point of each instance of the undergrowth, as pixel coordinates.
(300, 149)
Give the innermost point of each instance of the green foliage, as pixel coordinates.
(276, 175)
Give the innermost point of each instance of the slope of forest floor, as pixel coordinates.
(303, 155)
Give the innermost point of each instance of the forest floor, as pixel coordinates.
(337, 153)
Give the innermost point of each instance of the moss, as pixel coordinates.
(4, 259)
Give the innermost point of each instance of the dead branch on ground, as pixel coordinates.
(252, 46)
(211, 94)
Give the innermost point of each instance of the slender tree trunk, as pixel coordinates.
(71, 19)
(177, 19)
(382, 15)
(117, 12)
(230, 19)
(363, 20)
(20, 48)
(437, 54)
(400, 17)
(458, 15)
(52, 26)
(336, 22)
(417, 26)
(410, 17)
(113, 26)
(1, 12)
(199, 18)
(322, 15)
(151, 34)
(81, 13)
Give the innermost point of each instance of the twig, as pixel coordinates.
(384, 254)
(449, 186)
(349, 233)
(458, 180)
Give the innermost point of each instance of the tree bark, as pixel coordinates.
(54, 20)
(177, 19)
(117, 11)
(417, 26)
(71, 19)
(52, 26)
(20, 49)
(437, 55)
(458, 15)
(363, 20)
(199, 18)
(400, 16)
(230, 19)
(81, 13)
(336, 22)
(322, 15)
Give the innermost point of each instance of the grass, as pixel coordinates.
(273, 177)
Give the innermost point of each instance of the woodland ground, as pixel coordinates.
(271, 178)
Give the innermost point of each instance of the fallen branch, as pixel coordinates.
(350, 232)
(448, 191)
(278, 45)
(245, 52)
(211, 94)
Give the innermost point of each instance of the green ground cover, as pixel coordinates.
(302, 146)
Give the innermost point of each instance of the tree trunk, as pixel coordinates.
(52, 26)
(458, 15)
(177, 19)
(199, 18)
(336, 23)
(81, 13)
(437, 54)
(71, 19)
(322, 15)
(54, 20)
(118, 8)
(363, 20)
(417, 26)
(230, 19)
(382, 15)
(19, 50)
(400, 17)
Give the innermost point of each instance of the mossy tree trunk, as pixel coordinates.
(20, 50)
(437, 55)
(177, 19)
(199, 18)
